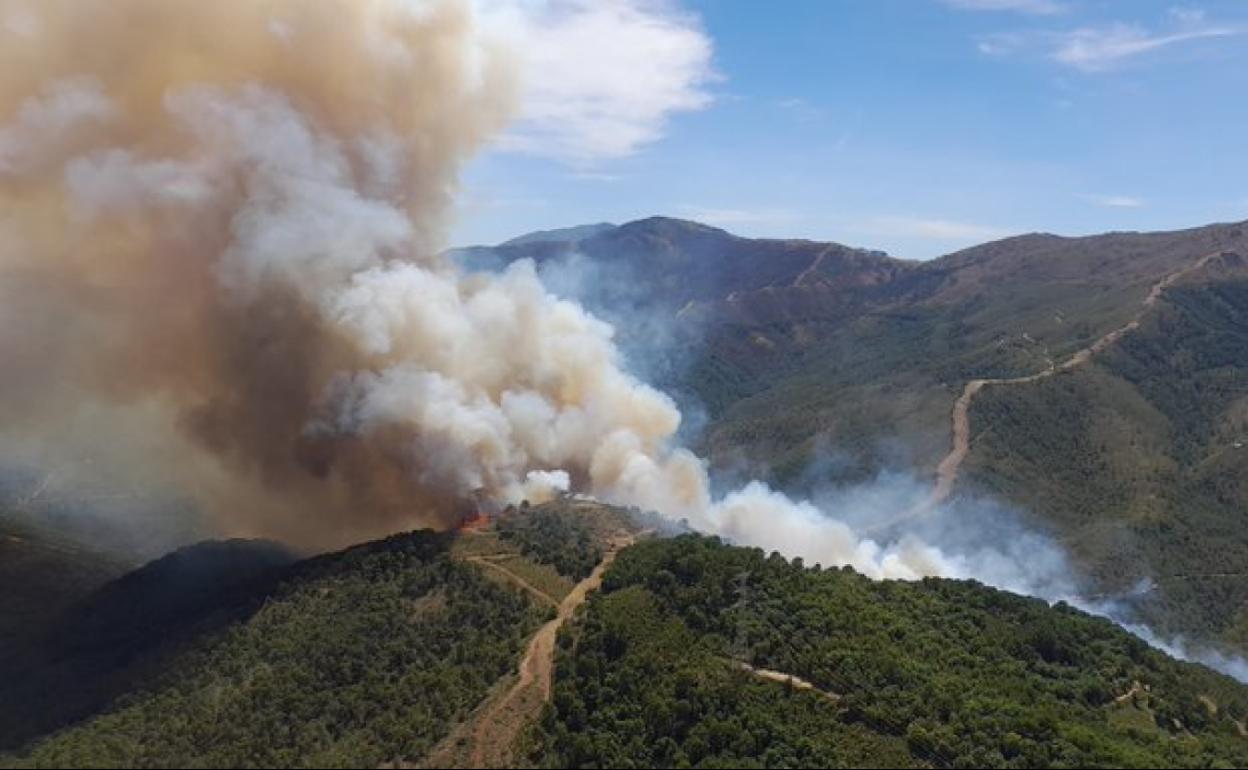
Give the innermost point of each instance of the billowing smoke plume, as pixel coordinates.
(196, 198)
(219, 277)
(222, 228)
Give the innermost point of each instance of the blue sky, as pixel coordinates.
(915, 126)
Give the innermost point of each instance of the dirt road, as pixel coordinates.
(949, 467)
(815, 264)
(489, 563)
(497, 726)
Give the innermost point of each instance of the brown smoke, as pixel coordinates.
(219, 277)
(184, 186)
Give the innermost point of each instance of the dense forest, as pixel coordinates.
(693, 654)
(939, 672)
(357, 658)
(553, 535)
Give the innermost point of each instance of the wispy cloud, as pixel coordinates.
(1096, 49)
(726, 217)
(600, 79)
(1002, 43)
(801, 109)
(935, 229)
(1114, 201)
(594, 176)
(1031, 7)
(1100, 48)
(1185, 15)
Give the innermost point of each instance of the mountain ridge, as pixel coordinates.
(344, 660)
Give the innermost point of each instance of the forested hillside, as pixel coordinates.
(693, 653)
(352, 659)
(683, 660)
(1140, 459)
(234, 654)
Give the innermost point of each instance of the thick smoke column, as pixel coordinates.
(192, 193)
(222, 227)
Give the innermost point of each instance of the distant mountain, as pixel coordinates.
(799, 350)
(679, 262)
(692, 653)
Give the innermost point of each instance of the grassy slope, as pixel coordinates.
(111, 641)
(1131, 461)
(937, 673)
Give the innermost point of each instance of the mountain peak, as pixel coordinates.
(561, 235)
(673, 224)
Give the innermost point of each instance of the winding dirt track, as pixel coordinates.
(500, 722)
(947, 470)
(526, 585)
(815, 264)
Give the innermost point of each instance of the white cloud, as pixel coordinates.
(1095, 49)
(1033, 7)
(1001, 43)
(600, 78)
(1115, 201)
(932, 229)
(1104, 47)
(726, 217)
